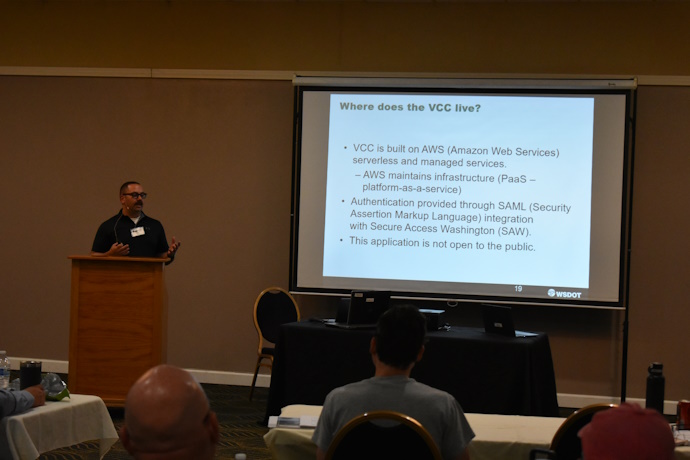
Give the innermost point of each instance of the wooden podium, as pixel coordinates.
(118, 324)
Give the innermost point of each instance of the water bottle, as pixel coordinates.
(4, 370)
(655, 387)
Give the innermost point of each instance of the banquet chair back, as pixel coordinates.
(273, 307)
(383, 434)
(565, 444)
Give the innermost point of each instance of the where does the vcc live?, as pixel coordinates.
(445, 107)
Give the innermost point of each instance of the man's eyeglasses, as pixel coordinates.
(136, 195)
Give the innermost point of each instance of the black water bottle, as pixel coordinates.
(655, 387)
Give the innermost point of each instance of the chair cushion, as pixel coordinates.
(272, 311)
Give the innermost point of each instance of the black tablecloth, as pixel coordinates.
(486, 374)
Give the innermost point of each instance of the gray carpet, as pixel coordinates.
(240, 429)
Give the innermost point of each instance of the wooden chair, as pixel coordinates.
(565, 444)
(273, 307)
(379, 435)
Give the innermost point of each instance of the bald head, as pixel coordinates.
(167, 415)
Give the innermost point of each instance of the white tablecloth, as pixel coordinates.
(498, 437)
(57, 424)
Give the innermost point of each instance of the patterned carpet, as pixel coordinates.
(240, 429)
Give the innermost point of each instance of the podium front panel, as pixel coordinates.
(117, 325)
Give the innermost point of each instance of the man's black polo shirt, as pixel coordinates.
(151, 243)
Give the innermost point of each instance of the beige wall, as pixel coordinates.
(558, 37)
(215, 155)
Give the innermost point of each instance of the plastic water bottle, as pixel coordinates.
(655, 387)
(4, 370)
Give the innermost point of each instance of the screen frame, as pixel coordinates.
(626, 87)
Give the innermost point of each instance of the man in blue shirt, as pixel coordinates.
(16, 402)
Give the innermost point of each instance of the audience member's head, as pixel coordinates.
(400, 335)
(627, 432)
(167, 415)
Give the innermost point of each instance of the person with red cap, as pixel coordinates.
(627, 432)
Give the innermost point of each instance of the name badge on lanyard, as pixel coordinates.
(137, 231)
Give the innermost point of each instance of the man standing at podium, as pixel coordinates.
(131, 232)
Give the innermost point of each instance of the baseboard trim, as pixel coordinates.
(576, 401)
(202, 375)
(230, 378)
(568, 400)
(47, 365)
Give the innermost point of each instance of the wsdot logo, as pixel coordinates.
(564, 294)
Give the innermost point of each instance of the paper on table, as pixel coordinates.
(305, 421)
(682, 437)
(308, 421)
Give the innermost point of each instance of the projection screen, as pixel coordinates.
(498, 190)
